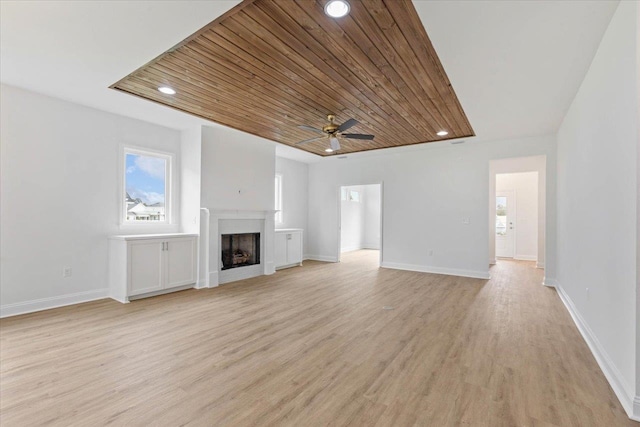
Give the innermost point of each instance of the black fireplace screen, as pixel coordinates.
(240, 250)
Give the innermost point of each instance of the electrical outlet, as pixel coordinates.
(66, 272)
(466, 220)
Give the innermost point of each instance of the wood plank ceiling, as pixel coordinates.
(267, 66)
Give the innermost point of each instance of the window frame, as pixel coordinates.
(278, 193)
(169, 163)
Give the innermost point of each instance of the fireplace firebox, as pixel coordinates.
(240, 250)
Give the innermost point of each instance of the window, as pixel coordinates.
(278, 198)
(146, 186)
(501, 216)
(348, 195)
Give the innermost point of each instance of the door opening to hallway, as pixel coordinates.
(360, 219)
(516, 216)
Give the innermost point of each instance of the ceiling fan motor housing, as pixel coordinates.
(330, 128)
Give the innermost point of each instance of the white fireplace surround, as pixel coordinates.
(225, 221)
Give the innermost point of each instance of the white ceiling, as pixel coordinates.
(515, 65)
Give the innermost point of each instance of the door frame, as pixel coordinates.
(339, 222)
(546, 204)
(514, 196)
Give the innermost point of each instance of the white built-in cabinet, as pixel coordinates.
(288, 247)
(146, 265)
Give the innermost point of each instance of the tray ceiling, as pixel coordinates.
(267, 66)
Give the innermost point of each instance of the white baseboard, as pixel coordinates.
(17, 308)
(525, 257)
(350, 249)
(623, 391)
(372, 246)
(437, 270)
(492, 261)
(540, 265)
(636, 409)
(548, 281)
(322, 258)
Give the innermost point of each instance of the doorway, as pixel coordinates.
(360, 225)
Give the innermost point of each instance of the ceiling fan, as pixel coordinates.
(334, 132)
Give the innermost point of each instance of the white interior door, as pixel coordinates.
(505, 224)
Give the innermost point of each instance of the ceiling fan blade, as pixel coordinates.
(335, 144)
(310, 129)
(306, 141)
(357, 136)
(346, 125)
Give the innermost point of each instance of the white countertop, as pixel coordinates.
(151, 236)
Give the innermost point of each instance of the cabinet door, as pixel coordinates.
(281, 249)
(180, 261)
(145, 266)
(294, 248)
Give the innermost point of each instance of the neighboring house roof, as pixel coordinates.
(141, 209)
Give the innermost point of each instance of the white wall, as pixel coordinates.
(597, 203)
(525, 187)
(238, 170)
(61, 196)
(371, 229)
(295, 200)
(427, 193)
(190, 159)
(636, 406)
(352, 219)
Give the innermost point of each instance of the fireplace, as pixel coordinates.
(252, 260)
(240, 250)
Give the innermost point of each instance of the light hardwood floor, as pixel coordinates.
(312, 346)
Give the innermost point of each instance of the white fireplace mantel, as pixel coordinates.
(267, 261)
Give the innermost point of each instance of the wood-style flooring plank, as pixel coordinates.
(312, 346)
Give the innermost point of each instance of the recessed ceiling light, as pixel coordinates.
(167, 90)
(329, 150)
(443, 133)
(336, 8)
